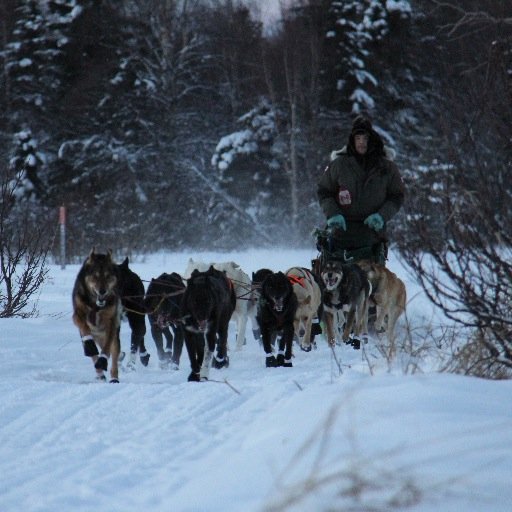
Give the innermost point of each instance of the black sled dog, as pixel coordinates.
(131, 289)
(257, 280)
(97, 312)
(208, 303)
(163, 305)
(276, 314)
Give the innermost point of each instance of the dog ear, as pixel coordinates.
(90, 256)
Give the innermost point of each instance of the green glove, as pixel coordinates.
(337, 221)
(375, 221)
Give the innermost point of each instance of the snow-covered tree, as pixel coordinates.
(34, 53)
(356, 27)
(26, 164)
(248, 165)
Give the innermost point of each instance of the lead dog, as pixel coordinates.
(242, 286)
(276, 313)
(346, 288)
(163, 302)
(208, 303)
(389, 295)
(309, 299)
(97, 312)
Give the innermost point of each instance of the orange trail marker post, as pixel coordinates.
(62, 223)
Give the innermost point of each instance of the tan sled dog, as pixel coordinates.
(389, 295)
(309, 297)
(97, 312)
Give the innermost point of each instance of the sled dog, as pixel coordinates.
(131, 290)
(97, 311)
(208, 303)
(346, 288)
(389, 295)
(242, 286)
(257, 279)
(309, 298)
(163, 303)
(276, 314)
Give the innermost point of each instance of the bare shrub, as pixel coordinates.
(357, 484)
(25, 241)
(475, 359)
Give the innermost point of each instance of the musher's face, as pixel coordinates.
(361, 143)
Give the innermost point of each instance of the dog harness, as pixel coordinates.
(296, 280)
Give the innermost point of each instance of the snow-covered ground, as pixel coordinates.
(305, 438)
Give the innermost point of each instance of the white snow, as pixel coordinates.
(252, 439)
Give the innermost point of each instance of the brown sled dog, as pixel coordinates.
(389, 295)
(97, 312)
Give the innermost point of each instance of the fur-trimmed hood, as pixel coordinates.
(389, 153)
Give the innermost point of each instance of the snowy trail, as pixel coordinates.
(157, 443)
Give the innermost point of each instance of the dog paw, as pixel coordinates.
(101, 378)
(194, 377)
(131, 366)
(144, 358)
(270, 362)
(220, 363)
(306, 348)
(280, 360)
(356, 343)
(114, 381)
(164, 364)
(101, 363)
(316, 328)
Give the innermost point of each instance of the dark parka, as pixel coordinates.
(358, 185)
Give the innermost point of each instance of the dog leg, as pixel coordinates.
(204, 373)
(348, 325)
(270, 360)
(209, 348)
(287, 343)
(221, 359)
(114, 368)
(177, 347)
(256, 332)
(304, 335)
(362, 319)
(241, 326)
(195, 348)
(393, 315)
(328, 320)
(131, 365)
(382, 312)
(308, 336)
(157, 335)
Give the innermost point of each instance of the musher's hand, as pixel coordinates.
(337, 222)
(375, 221)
